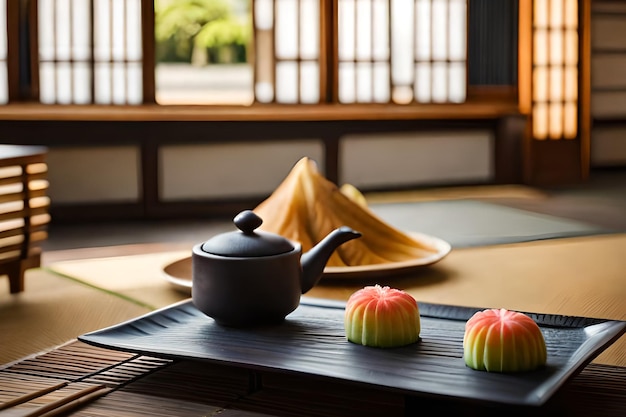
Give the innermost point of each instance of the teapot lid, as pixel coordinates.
(246, 242)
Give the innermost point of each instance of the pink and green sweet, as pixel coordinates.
(380, 316)
(500, 340)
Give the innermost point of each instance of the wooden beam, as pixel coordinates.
(260, 112)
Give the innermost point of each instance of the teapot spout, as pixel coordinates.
(314, 261)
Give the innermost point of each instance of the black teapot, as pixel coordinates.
(250, 277)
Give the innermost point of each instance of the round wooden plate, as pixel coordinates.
(178, 273)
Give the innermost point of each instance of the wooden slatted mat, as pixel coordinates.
(81, 380)
(70, 362)
(217, 384)
(58, 381)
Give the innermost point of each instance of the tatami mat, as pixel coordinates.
(53, 310)
(508, 191)
(466, 223)
(139, 278)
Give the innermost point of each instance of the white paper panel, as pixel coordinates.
(555, 13)
(456, 82)
(608, 146)
(423, 32)
(135, 83)
(541, 12)
(286, 29)
(440, 29)
(94, 174)
(347, 28)
(81, 29)
(347, 75)
(103, 84)
(458, 30)
(364, 29)
(133, 30)
(380, 42)
(62, 25)
(264, 14)
(440, 82)
(608, 70)
(220, 166)
(309, 29)
(119, 83)
(81, 77)
(364, 82)
(46, 29)
(381, 82)
(118, 47)
(608, 104)
(423, 84)
(287, 82)
(4, 82)
(102, 30)
(608, 32)
(46, 83)
(414, 158)
(3, 33)
(309, 82)
(402, 30)
(63, 79)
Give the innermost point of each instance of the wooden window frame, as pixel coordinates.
(482, 102)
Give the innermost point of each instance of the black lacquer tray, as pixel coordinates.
(312, 341)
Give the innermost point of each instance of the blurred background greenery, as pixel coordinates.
(202, 32)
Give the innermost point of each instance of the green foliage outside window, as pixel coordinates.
(200, 32)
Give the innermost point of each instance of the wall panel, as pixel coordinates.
(214, 171)
(94, 174)
(392, 160)
(609, 146)
(608, 84)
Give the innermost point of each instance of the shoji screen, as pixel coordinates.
(4, 81)
(287, 36)
(90, 51)
(402, 51)
(555, 69)
(398, 51)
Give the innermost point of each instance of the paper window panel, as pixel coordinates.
(4, 79)
(287, 48)
(420, 45)
(90, 51)
(555, 69)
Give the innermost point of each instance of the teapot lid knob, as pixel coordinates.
(247, 242)
(247, 221)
